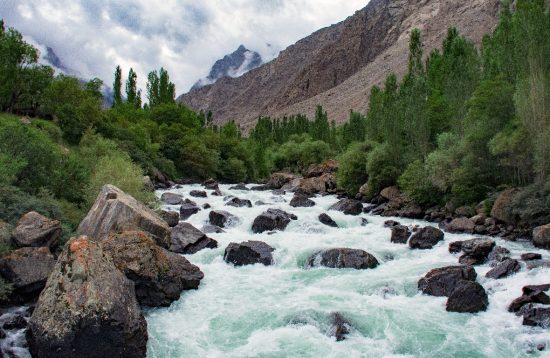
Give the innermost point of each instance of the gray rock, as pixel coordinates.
(272, 219)
(468, 297)
(476, 251)
(187, 210)
(198, 193)
(531, 256)
(35, 230)
(442, 281)
(400, 234)
(503, 269)
(171, 198)
(348, 206)
(301, 201)
(172, 218)
(212, 229)
(239, 203)
(343, 258)
(327, 220)
(249, 253)
(426, 238)
(187, 239)
(222, 218)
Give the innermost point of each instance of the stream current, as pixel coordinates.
(284, 310)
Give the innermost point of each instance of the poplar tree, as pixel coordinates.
(117, 87)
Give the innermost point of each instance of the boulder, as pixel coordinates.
(327, 167)
(531, 295)
(27, 269)
(187, 210)
(537, 316)
(425, 238)
(322, 184)
(531, 256)
(249, 253)
(206, 206)
(400, 234)
(301, 201)
(222, 218)
(239, 203)
(212, 229)
(292, 185)
(159, 275)
(442, 281)
(348, 206)
(272, 219)
(476, 251)
(171, 198)
(498, 254)
(391, 193)
(468, 297)
(327, 220)
(148, 184)
(211, 184)
(502, 207)
(36, 230)
(461, 225)
(87, 309)
(339, 327)
(16, 322)
(172, 218)
(198, 193)
(391, 223)
(278, 192)
(343, 258)
(279, 179)
(541, 236)
(187, 239)
(411, 210)
(240, 186)
(364, 190)
(504, 268)
(116, 211)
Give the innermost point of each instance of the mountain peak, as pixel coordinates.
(235, 64)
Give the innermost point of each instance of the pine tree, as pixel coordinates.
(117, 87)
(416, 66)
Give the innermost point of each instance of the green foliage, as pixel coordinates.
(415, 182)
(159, 88)
(299, 153)
(352, 173)
(382, 168)
(117, 87)
(14, 203)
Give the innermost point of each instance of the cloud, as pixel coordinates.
(184, 36)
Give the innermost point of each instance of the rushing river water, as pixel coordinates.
(283, 310)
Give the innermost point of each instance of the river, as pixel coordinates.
(283, 310)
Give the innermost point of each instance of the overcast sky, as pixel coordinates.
(184, 36)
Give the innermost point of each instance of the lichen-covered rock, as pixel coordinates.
(502, 207)
(27, 269)
(187, 239)
(87, 309)
(343, 258)
(426, 238)
(442, 281)
(249, 253)
(348, 206)
(116, 211)
(35, 230)
(272, 219)
(159, 275)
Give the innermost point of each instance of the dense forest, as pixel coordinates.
(462, 124)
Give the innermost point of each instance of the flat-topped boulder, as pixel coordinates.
(27, 269)
(159, 275)
(222, 218)
(171, 198)
(249, 253)
(461, 225)
(198, 193)
(87, 309)
(426, 238)
(272, 219)
(343, 258)
(442, 281)
(212, 229)
(476, 251)
(468, 297)
(187, 239)
(116, 211)
(36, 230)
(348, 206)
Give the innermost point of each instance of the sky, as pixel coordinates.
(185, 37)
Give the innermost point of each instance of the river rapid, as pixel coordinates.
(284, 310)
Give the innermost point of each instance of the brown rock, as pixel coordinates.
(86, 303)
(343, 258)
(159, 275)
(36, 230)
(172, 218)
(116, 211)
(442, 281)
(541, 236)
(279, 179)
(426, 238)
(400, 234)
(187, 239)
(502, 207)
(461, 225)
(468, 297)
(328, 167)
(391, 193)
(321, 184)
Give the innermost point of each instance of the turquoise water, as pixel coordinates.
(283, 310)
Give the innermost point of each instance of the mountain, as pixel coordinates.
(233, 65)
(338, 65)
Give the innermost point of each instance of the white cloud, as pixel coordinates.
(184, 36)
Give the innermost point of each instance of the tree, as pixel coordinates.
(416, 66)
(117, 87)
(131, 90)
(159, 88)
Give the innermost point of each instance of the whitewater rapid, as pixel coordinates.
(283, 310)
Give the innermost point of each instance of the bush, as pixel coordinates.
(14, 203)
(299, 153)
(415, 182)
(233, 170)
(382, 168)
(352, 173)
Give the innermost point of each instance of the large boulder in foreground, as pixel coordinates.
(27, 269)
(272, 219)
(442, 281)
(116, 211)
(426, 238)
(159, 275)
(343, 258)
(87, 309)
(187, 239)
(476, 251)
(249, 253)
(36, 230)
(348, 207)
(468, 297)
(541, 236)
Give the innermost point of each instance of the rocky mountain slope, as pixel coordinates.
(235, 64)
(338, 65)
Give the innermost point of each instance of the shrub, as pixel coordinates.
(352, 172)
(14, 203)
(233, 170)
(382, 168)
(415, 182)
